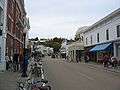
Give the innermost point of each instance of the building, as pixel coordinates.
(103, 37)
(14, 29)
(63, 49)
(15, 26)
(26, 31)
(3, 9)
(75, 49)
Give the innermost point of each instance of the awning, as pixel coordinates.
(100, 47)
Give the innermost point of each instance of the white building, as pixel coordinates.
(3, 9)
(64, 49)
(76, 48)
(104, 34)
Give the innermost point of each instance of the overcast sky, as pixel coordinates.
(62, 18)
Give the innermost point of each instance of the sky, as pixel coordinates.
(62, 18)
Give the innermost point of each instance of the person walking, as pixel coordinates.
(106, 60)
(25, 63)
(86, 58)
(7, 61)
(21, 62)
(15, 62)
(114, 61)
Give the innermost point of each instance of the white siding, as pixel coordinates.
(101, 29)
(2, 3)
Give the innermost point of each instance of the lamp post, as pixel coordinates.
(24, 66)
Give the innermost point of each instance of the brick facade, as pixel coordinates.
(15, 26)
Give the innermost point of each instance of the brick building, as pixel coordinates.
(15, 26)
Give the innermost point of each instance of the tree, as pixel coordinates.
(55, 43)
(36, 39)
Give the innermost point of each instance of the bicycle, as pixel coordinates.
(40, 85)
(35, 85)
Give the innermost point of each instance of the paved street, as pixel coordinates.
(79, 76)
(8, 80)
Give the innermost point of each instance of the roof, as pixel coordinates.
(76, 45)
(82, 29)
(116, 12)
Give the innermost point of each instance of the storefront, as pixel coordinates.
(75, 51)
(92, 55)
(102, 49)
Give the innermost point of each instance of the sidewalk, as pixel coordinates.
(8, 80)
(99, 66)
(96, 65)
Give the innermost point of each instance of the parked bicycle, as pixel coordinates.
(40, 85)
(33, 85)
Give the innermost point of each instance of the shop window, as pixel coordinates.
(0, 54)
(9, 24)
(118, 31)
(1, 24)
(91, 39)
(98, 40)
(1, 15)
(86, 40)
(107, 34)
(81, 38)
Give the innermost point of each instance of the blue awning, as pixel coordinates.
(100, 47)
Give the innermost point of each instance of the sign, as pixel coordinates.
(0, 54)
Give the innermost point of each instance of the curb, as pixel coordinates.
(108, 69)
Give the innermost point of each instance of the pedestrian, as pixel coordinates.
(15, 61)
(25, 63)
(114, 61)
(86, 58)
(106, 60)
(7, 61)
(21, 62)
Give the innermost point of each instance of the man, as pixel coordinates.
(114, 61)
(7, 61)
(15, 61)
(106, 60)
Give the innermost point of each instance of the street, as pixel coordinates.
(78, 76)
(8, 80)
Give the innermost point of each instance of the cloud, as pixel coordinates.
(49, 18)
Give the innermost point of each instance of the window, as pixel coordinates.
(1, 16)
(86, 40)
(118, 31)
(107, 34)
(9, 24)
(73, 54)
(0, 54)
(81, 38)
(1, 21)
(91, 39)
(98, 37)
